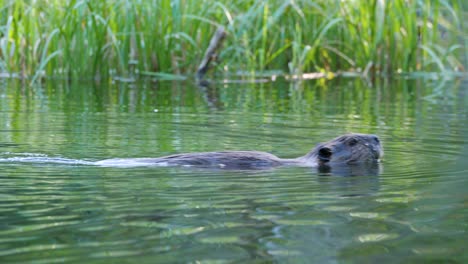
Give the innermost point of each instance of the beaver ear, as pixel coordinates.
(324, 154)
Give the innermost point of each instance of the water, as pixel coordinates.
(57, 206)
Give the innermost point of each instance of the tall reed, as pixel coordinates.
(98, 39)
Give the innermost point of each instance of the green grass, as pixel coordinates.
(118, 38)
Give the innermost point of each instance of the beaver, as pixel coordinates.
(344, 150)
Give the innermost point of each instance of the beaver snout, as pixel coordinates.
(377, 151)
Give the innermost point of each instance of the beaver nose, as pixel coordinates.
(375, 139)
(377, 151)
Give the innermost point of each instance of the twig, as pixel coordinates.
(210, 53)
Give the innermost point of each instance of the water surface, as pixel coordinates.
(56, 205)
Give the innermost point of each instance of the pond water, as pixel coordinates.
(57, 206)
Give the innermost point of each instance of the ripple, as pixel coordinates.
(376, 237)
(59, 209)
(36, 227)
(368, 215)
(116, 253)
(285, 253)
(300, 222)
(220, 239)
(29, 249)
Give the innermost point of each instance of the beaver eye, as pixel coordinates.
(324, 154)
(352, 142)
(376, 139)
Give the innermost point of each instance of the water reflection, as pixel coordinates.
(63, 210)
(361, 169)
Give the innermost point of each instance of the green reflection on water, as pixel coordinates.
(71, 212)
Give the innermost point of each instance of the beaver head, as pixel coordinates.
(347, 149)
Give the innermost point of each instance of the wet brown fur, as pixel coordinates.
(346, 149)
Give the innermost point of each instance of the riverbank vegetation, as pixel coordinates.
(165, 39)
